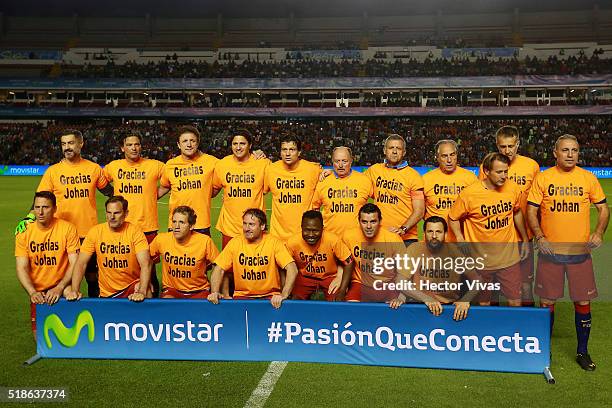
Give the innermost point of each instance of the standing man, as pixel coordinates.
(342, 194)
(443, 185)
(122, 253)
(317, 254)
(185, 256)
(563, 195)
(189, 178)
(490, 211)
(242, 178)
(292, 182)
(398, 190)
(135, 178)
(369, 243)
(74, 181)
(254, 259)
(522, 171)
(45, 254)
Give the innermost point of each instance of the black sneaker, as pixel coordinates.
(585, 362)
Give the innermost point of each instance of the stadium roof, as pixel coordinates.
(282, 8)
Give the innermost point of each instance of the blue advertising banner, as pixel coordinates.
(31, 55)
(325, 54)
(490, 339)
(480, 52)
(22, 170)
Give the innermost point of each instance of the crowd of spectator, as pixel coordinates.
(38, 144)
(315, 68)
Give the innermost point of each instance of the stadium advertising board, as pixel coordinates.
(31, 55)
(326, 54)
(22, 170)
(506, 52)
(490, 339)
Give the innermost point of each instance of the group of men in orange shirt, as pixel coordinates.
(337, 249)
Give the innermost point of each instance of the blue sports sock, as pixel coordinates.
(582, 318)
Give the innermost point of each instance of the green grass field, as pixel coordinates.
(169, 383)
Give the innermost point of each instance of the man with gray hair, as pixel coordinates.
(559, 214)
(398, 190)
(443, 185)
(342, 194)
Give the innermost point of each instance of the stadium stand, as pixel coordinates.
(34, 143)
(533, 75)
(313, 68)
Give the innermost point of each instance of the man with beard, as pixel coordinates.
(74, 181)
(439, 275)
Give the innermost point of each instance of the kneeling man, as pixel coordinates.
(254, 259)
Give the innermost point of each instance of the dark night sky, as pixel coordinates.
(281, 8)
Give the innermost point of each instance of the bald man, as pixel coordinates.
(342, 194)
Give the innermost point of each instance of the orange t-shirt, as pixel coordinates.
(137, 183)
(184, 265)
(394, 192)
(319, 261)
(522, 171)
(442, 189)
(366, 252)
(292, 192)
(74, 186)
(243, 186)
(116, 254)
(190, 182)
(564, 199)
(341, 199)
(255, 265)
(47, 250)
(488, 218)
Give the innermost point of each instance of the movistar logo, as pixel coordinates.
(3, 170)
(68, 337)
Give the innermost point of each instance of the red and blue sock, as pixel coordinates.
(582, 318)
